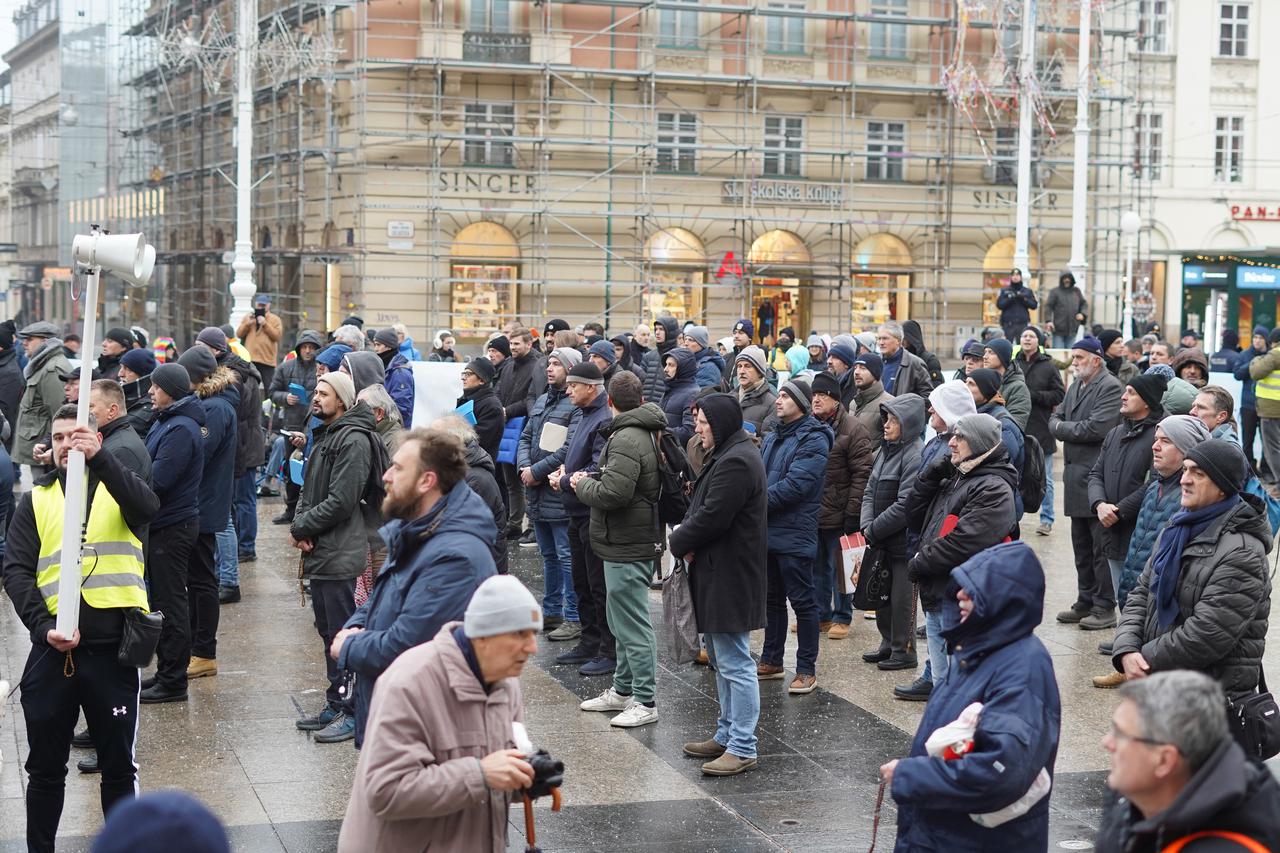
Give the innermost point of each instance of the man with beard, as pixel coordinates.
(664, 341)
(439, 538)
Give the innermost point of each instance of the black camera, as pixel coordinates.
(548, 773)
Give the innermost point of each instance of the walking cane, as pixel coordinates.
(529, 833)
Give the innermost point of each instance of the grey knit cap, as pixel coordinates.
(1185, 431)
(501, 605)
(981, 431)
(567, 356)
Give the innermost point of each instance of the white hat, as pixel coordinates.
(952, 400)
(501, 605)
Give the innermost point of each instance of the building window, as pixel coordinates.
(784, 33)
(488, 130)
(677, 138)
(491, 16)
(1233, 29)
(678, 28)
(889, 41)
(1153, 25)
(1228, 149)
(886, 145)
(782, 142)
(1005, 168)
(1148, 146)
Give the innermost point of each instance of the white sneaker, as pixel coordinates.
(635, 715)
(609, 700)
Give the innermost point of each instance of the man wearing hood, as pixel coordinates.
(330, 529)
(1044, 384)
(116, 343)
(12, 382)
(723, 540)
(43, 395)
(134, 374)
(754, 394)
(1249, 398)
(1015, 303)
(1088, 412)
(440, 537)
(365, 369)
(664, 340)
(1203, 600)
(1118, 476)
(989, 608)
(914, 342)
(1191, 366)
(176, 445)
(840, 512)
(961, 503)
(1066, 309)
(299, 371)
(399, 375)
(869, 394)
(795, 462)
(622, 352)
(997, 355)
(680, 366)
(218, 391)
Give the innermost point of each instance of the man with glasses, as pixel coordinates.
(1179, 773)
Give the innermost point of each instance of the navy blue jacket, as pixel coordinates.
(710, 368)
(1249, 397)
(553, 406)
(795, 466)
(1014, 441)
(434, 564)
(399, 384)
(177, 461)
(678, 396)
(1000, 663)
(220, 394)
(584, 452)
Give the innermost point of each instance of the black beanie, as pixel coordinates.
(1107, 338)
(987, 380)
(1151, 388)
(799, 391)
(553, 326)
(1223, 462)
(172, 379)
(825, 383)
(501, 344)
(724, 413)
(482, 368)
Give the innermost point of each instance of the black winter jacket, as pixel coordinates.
(655, 381)
(1044, 381)
(12, 384)
(295, 371)
(220, 395)
(490, 422)
(1119, 476)
(520, 382)
(250, 439)
(177, 460)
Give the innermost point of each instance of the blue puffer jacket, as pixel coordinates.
(220, 394)
(399, 384)
(679, 394)
(553, 406)
(1000, 663)
(1160, 501)
(795, 465)
(434, 564)
(177, 461)
(710, 368)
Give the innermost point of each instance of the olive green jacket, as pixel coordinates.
(623, 494)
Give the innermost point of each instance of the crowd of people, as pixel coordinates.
(651, 457)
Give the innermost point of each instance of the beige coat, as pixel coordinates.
(262, 342)
(418, 784)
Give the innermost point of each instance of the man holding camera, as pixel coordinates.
(260, 333)
(64, 674)
(439, 766)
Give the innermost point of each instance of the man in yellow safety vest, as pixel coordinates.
(65, 674)
(1265, 370)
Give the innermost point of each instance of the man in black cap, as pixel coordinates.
(1203, 600)
(1117, 478)
(117, 342)
(399, 376)
(477, 388)
(44, 392)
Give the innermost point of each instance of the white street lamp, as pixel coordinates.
(1130, 224)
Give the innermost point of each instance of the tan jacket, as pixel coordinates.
(262, 343)
(418, 784)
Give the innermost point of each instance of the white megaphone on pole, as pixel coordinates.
(128, 256)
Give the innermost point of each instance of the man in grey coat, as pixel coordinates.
(43, 394)
(1089, 411)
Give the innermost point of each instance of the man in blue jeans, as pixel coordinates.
(795, 461)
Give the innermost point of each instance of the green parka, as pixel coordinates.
(623, 494)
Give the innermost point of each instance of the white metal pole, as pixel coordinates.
(1026, 71)
(74, 490)
(242, 286)
(1079, 263)
(1127, 327)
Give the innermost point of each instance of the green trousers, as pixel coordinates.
(627, 609)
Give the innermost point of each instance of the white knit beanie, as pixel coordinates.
(501, 605)
(952, 401)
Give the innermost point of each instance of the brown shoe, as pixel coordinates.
(768, 672)
(838, 631)
(201, 667)
(824, 627)
(728, 765)
(1108, 682)
(704, 749)
(701, 658)
(802, 684)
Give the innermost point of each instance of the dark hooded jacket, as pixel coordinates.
(1119, 476)
(998, 661)
(710, 368)
(488, 414)
(679, 393)
(627, 362)
(250, 440)
(795, 463)
(11, 387)
(848, 467)
(884, 503)
(1016, 303)
(434, 564)
(976, 501)
(220, 394)
(1224, 599)
(177, 461)
(623, 493)
(913, 339)
(655, 381)
(584, 445)
(1063, 304)
(295, 371)
(1044, 382)
(520, 382)
(137, 401)
(1227, 793)
(552, 407)
(1190, 355)
(482, 477)
(725, 526)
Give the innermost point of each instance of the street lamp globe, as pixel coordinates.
(1131, 222)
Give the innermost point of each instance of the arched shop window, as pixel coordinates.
(676, 263)
(781, 271)
(484, 277)
(996, 266)
(881, 281)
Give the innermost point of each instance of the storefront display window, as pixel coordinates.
(676, 277)
(996, 267)
(484, 279)
(880, 293)
(780, 267)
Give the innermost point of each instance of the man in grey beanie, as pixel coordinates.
(466, 680)
(710, 363)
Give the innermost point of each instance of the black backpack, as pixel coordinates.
(675, 478)
(379, 461)
(1031, 483)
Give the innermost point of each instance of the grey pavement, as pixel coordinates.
(234, 745)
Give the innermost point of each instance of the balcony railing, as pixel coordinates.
(495, 47)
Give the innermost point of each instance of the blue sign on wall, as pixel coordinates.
(1209, 276)
(1257, 278)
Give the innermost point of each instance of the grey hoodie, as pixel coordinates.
(884, 511)
(365, 368)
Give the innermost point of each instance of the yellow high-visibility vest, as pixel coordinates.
(1268, 387)
(111, 565)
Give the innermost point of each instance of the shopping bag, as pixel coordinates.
(678, 620)
(852, 549)
(875, 580)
